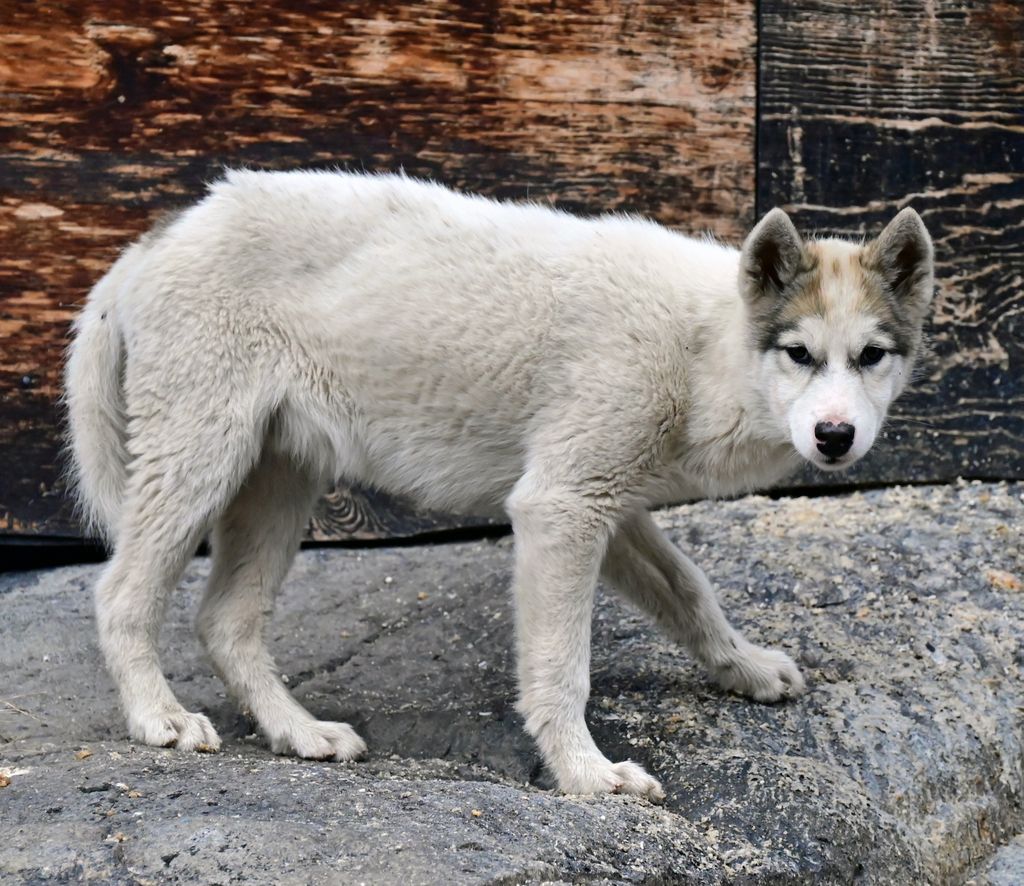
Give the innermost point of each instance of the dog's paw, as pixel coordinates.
(319, 740)
(765, 675)
(179, 729)
(601, 776)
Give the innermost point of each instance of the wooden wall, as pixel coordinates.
(865, 108)
(113, 112)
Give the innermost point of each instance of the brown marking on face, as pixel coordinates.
(848, 287)
(807, 297)
(802, 297)
(836, 281)
(865, 292)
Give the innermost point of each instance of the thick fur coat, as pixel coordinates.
(481, 357)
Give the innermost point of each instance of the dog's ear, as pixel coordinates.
(904, 257)
(772, 257)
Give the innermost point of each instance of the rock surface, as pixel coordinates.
(904, 763)
(1004, 868)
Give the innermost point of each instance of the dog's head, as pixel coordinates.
(837, 327)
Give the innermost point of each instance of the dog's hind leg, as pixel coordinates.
(186, 465)
(254, 543)
(646, 568)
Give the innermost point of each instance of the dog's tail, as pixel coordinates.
(94, 396)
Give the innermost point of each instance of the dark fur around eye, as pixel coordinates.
(871, 355)
(799, 354)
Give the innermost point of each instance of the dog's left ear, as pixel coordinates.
(903, 255)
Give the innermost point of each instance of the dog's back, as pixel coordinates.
(393, 332)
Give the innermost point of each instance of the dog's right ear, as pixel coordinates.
(771, 259)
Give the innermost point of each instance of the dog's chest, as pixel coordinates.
(719, 471)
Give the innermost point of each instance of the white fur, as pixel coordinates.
(483, 357)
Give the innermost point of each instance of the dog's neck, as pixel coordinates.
(731, 438)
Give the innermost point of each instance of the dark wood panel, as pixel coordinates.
(869, 107)
(111, 112)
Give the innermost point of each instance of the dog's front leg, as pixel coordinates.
(645, 567)
(560, 538)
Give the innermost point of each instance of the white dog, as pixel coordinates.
(484, 357)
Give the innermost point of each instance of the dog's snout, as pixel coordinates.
(834, 439)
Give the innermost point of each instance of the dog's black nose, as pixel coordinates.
(834, 440)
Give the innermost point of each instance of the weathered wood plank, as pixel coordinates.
(868, 107)
(112, 111)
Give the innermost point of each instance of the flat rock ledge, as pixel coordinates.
(904, 763)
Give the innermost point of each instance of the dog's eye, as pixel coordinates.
(871, 355)
(799, 354)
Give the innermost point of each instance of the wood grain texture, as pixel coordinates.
(865, 108)
(111, 112)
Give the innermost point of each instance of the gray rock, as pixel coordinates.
(904, 763)
(1004, 868)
